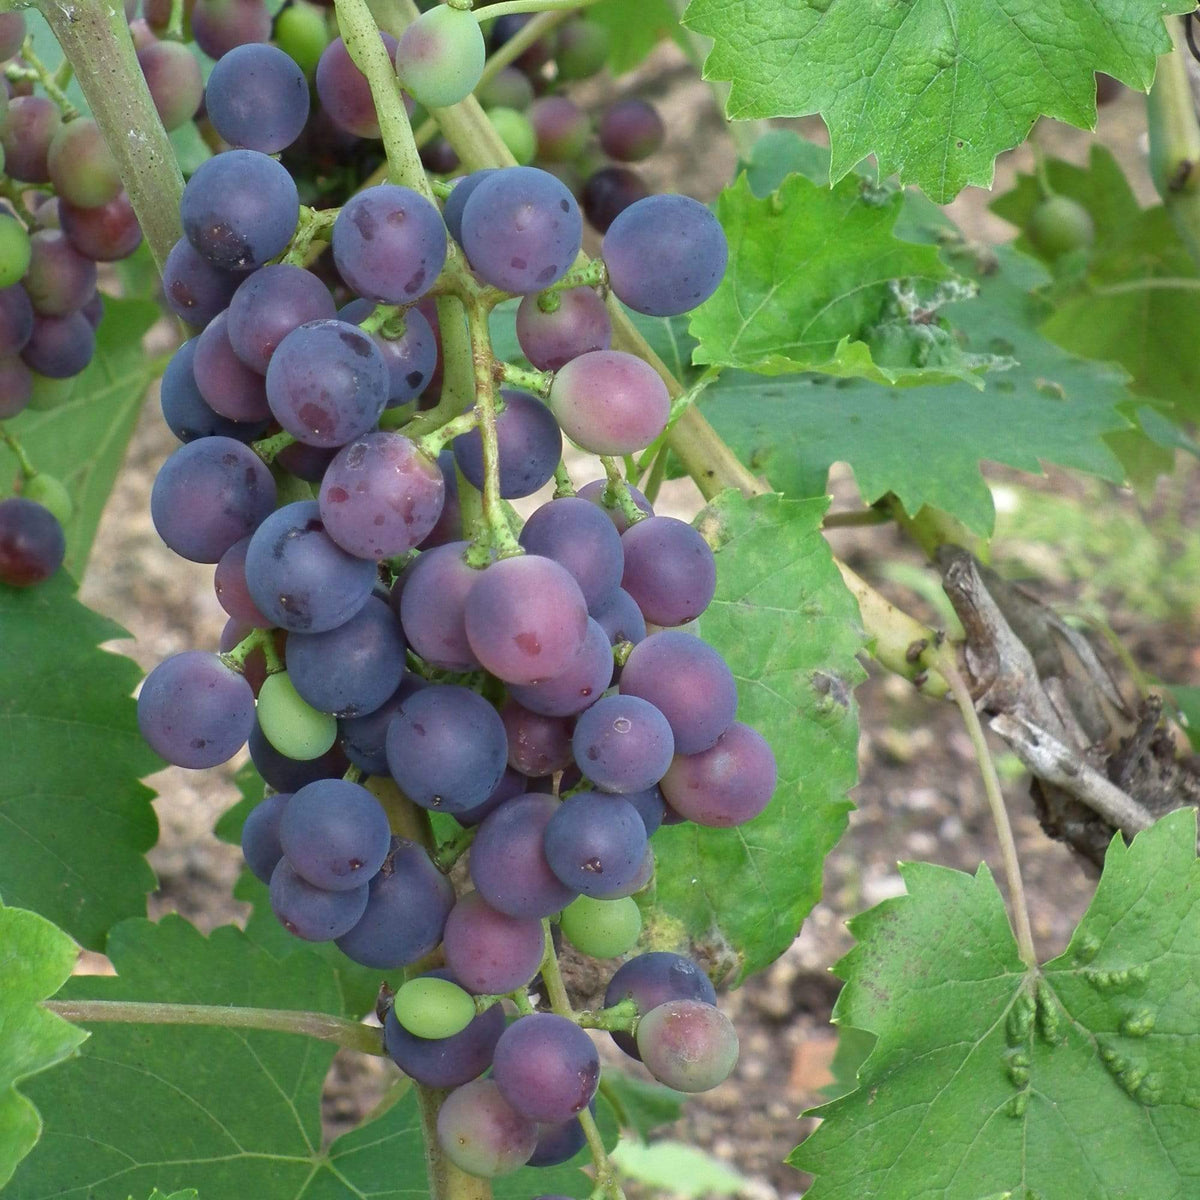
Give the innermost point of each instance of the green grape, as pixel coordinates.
(49, 493)
(440, 57)
(50, 393)
(81, 168)
(293, 727)
(434, 1008)
(602, 928)
(582, 49)
(516, 132)
(508, 88)
(14, 250)
(1059, 225)
(302, 31)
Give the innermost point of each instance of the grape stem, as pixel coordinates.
(268, 448)
(616, 492)
(28, 471)
(312, 222)
(537, 382)
(386, 320)
(434, 443)
(449, 852)
(175, 22)
(562, 481)
(621, 1017)
(256, 638)
(508, 7)
(351, 1035)
(36, 71)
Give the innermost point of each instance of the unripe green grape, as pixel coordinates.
(582, 49)
(81, 168)
(49, 493)
(50, 393)
(516, 132)
(602, 928)
(434, 1008)
(1058, 225)
(302, 31)
(292, 726)
(14, 250)
(440, 57)
(508, 88)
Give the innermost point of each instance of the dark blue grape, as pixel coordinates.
(364, 738)
(621, 619)
(578, 536)
(452, 210)
(32, 544)
(559, 1143)
(230, 387)
(546, 1067)
(312, 913)
(290, 774)
(623, 744)
(16, 320)
(185, 410)
(669, 570)
(335, 834)
(650, 805)
(608, 192)
(194, 289)
(511, 784)
(431, 600)
(653, 979)
(261, 847)
(630, 130)
(257, 98)
(269, 305)
(596, 844)
(530, 447)
(343, 89)
(411, 358)
(60, 347)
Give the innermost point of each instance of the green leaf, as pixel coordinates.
(1078, 1079)
(817, 281)
(76, 820)
(641, 1107)
(789, 630)
(677, 1168)
(187, 1194)
(35, 960)
(925, 444)
(635, 27)
(83, 441)
(783, 152)
(1187, 701)
(935, 89)
(854, 1046)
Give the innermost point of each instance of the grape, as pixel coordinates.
(582, 49)
(665, 255)
(561, 126)
(305, 462)
(438, 156)
(688, 1045)
(208, 495)
(537, 745)
(559, 1144)
(449, 524)
(596, 492)
(194, 289)
(511, 784)
(288, 774)
(229, 583)
(534, 56)
(312, 913)
(508, 862)
(364, 738)
(335, 834)
(51, 494)
(1058, 225)
(16, 387)
(508, 88)
(15, 250)
(579, 684)
(185, 410)
(389, 243)
(440, 57)
(623, 744)
(261, 847)
(406, 912)
(221, 26)
(490, 952)
(653, 979)
(107, 233)
(621, 619)
(176, 84)
(16, 316)
(411, 358)
(343, 89)
(610, 402)
(32, 545)
(452, 211)
(381, 496)
(517, 133)
(525, 618)
(608, 192)
(551, 339)
(650, 805)
(602, 928)
(481, 1133)
(257, 98)
(546, 1067)
(432, 603)
(595, 844)
(327, 383)
(229, 387)
(60, 347)
(669, 570)
(195, 711)
(270, 304)
(93, 310)
(529, 442)
(521, 230)
(630, 130)
(12, 34)
(299, 577)
(28, 130)
(728, 784)
(446, 748)
(81, 168)
(433, 1008)
(302, 33)
(290, 724)
(353, 669)
(59, 280)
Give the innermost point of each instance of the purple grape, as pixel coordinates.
(12, 34)
(406, 912)
(445, 1062)
(688, 1045)
(312, 913)
(521, 230)
(594, 493)
(529, 442)
(174, 80)
(305, 462)
(228, 386)
(194, 711)
(240, 209)
(327, 383)
(257, 98)
(290, 774)
(446, 748)
(411, 358)
(299, 577)
(562, 128)
(26, 134)
(32, 545)
(546, 1067)
(449, 524)
(578, 536)
(229, 583)
(558, 1144)
(344, 92)
(623, 744)
(488, 952)
(669, 570)
(81, 167)
(578, 325)
(595, 844)
(452, 210)
(93, 310)
(194, 289)
(728, 784)
(608, 192)
(621, 619)
(381, 496)
(537, 745)
(511, 784)
(650, 805)
(221, 26)
(439, 157)
(610, 402)
(106, 233)
(261, 847)
(16, 387)
(578, 685)
(353, 669)
(525, 619)
(59, 280)
(630, 130)
(389, 244)
(185, 410)
(364, 738)
(481, 1133)
(335, 834)
(533, 57)
(653, 979)
(60, 347)
(270, 304)
(432, 607)
(16, 320)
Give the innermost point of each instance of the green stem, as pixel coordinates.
(622, 1017)
(458, 380)
(562, 481)
(492, 11)
(537, 382)
(94, 36)
(256, 639)
(384, 315)
(857, 518)
(658, 470)
(175, 22)
(38, 72)
(268, 448)
(312, 222)
(28, 471)
(322, 1026)
(616, 492)
(434, 443)
(448, 853)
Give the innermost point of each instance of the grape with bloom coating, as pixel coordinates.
(652, 979)
(546, 1067)
(688, 1045)
(491, 952)
(481, 1133)
(596, 844)
(335, 834)
(578, 324)
(669, 570)
(610, 402)
(431, 599)
(257, 98)
(530, 447)
(32, 545)
(440, 56)
(728, 784)
(313, 913)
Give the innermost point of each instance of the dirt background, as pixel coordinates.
(920, 796)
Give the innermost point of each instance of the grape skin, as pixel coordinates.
(623, 744)
(411, 358)
(60, 347)
(537, 745)
(229, 583)
(652, 979)
(608, 192)
(290, 724)
(312, 913)
(728, 784)
(669, 570)
(194, 289)
(530, 447)
(594, 492)
(433, 1008)
(481, 1133)
(432, 602)
(344, 92)
(257, 98)
(364, 738)
(546, 1067)
(58, 280)
(440, 56)
(609, 402)
(335, 834)
(621, 619)
(107, 233)
(32, 545)
(230, 388)
(630, 130)
(688, 1045)
(269, 305)
(261, 847)
(596, 845)
(490, 952)
(578, 685)
(575, 534)
(16, 319)
(579, 324)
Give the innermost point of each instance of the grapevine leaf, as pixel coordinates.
(634, 27)
(935, 89)
(817, 281)
(76, 821)
(1077, 1079)
(789, 630)
(853, 1048)
(187, 1194)
(36, 959)
(783, 152)
(83, 441)
(641, 1107)
(678, 1168)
